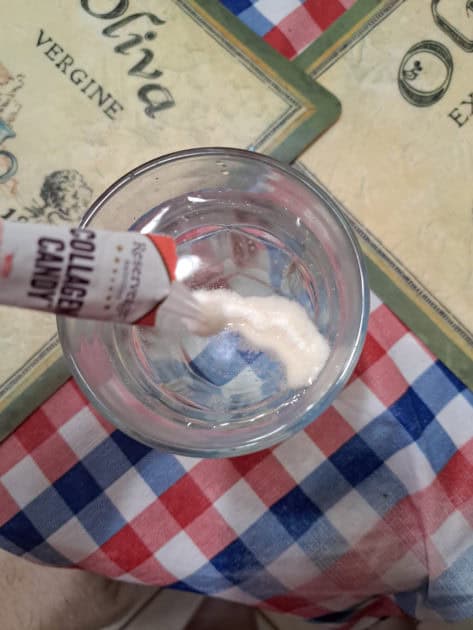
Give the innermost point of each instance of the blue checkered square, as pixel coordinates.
(207, 580)
(236, 562)
(456, 382)
(132, 449)
(182, 586)
(436, 445)
(160, 471)
(382, 490)
(325, 486)
(106, 463)
(435, 387)
(256, 21)
(263, 586)
(222, 360)
(355, 460)
(412, 413)
(77, 487)
(264, 548)
(48, 555)
(385, 436)
(21, 532)
(50, 520)
(101, 519)
(9, 546)
(296, 512)
(237, 6)
(270, 372)
(409, 600)
(323, 543)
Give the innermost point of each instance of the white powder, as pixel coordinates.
(273, 324)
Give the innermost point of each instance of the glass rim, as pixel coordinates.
(315, 409)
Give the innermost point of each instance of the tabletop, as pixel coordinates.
(366, 513)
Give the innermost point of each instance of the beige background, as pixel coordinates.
(35, 597)
(404, 172)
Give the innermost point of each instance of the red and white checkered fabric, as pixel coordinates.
(366, 511)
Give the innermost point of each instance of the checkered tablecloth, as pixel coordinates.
(289, 26)
(366, 513)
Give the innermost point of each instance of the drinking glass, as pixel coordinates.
(244, 222)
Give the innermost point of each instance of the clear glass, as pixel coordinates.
(245, 222)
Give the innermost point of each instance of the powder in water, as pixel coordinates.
(273, 324)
